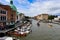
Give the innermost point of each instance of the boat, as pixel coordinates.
(19, 33)
(50, 25)
(28, 31)
(8, 38)
(23, 31)
(29, 27)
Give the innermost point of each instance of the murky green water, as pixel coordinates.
(43, 32)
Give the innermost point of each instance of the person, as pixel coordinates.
(38, 24)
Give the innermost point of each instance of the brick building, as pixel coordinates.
(8, 14)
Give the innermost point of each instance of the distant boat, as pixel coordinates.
(50, 25)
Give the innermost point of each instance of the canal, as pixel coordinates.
(43, 32)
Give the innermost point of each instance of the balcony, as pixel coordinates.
(3, 21)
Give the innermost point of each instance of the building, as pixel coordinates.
(42, 17)
(57, 19)
(58, 16)
(21, 16)
(8, 14)
(3, 16)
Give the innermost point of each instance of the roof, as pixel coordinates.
(13, 7)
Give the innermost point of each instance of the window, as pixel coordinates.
(12, 15)
(2, 12)
(3, 18)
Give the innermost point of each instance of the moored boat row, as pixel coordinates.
(22, 30)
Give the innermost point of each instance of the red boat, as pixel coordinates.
(17, 33)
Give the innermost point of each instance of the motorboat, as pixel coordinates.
(19, 32)
(50, 25)
(28, 23)
(28, 31)
(6, 38)
(23, 31)
(28, 28)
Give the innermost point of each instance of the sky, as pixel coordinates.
(36, 7)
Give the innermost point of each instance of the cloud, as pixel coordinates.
(7, 0)
(40, 6)
(37, 6)
(23, 2)
(0, 0)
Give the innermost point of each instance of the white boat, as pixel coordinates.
(21, 33)
(29, 27)
(6, 38)
(15, 30)
(50, 25)
(23, 30)
(18, 28)
(28, 31)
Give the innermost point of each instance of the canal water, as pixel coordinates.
(43, 32)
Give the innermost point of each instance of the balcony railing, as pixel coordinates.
(3, 20)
